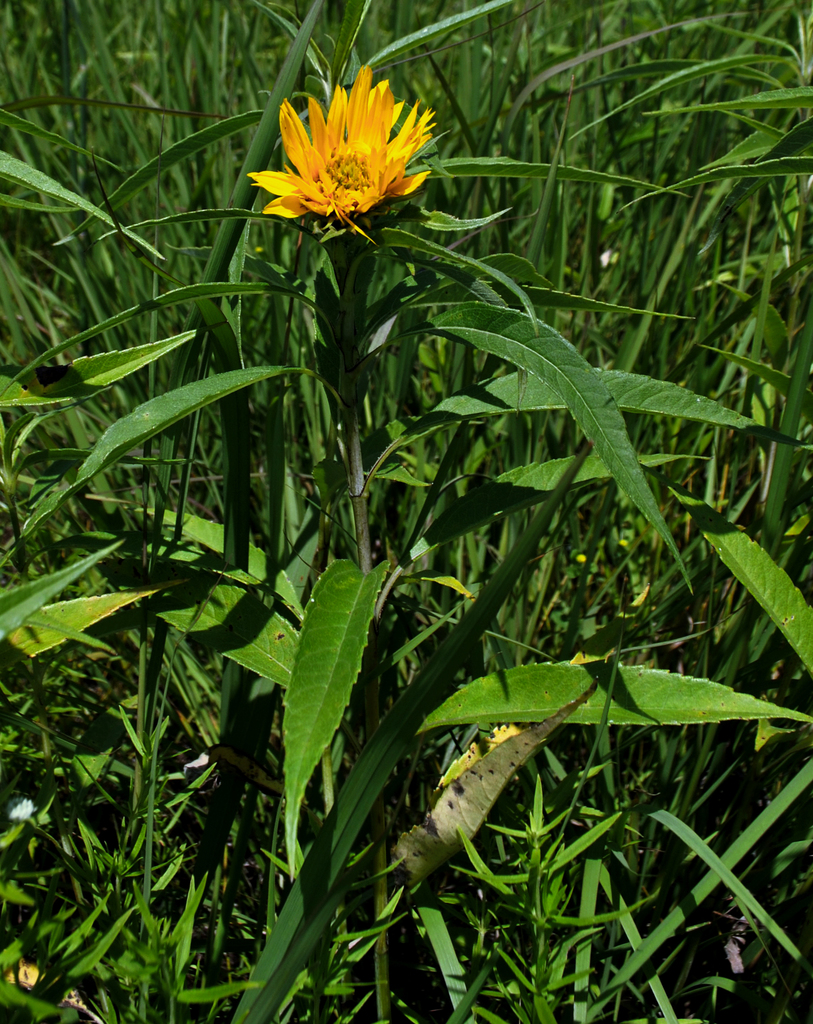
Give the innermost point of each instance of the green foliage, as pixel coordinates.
(329, 511)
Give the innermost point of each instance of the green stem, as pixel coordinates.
(355, 482)
(347, 257)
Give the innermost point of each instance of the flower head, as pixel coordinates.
(349, 165)
(20, 808)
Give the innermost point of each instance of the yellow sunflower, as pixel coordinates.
(349, 165)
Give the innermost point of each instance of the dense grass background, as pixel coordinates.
(103, 885)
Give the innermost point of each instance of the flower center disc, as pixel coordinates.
(350, 171)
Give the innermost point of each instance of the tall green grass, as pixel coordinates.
(652, 165)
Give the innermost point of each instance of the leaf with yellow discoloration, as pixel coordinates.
(57, 623)
(467, 793)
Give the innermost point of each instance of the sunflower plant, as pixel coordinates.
(345, 553)
(350, 181)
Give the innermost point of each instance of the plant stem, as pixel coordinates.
(347, 258)
(355, 483)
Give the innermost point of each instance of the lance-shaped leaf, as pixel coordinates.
(398, 238)
(332, 641)
(186, 557)
(633, 392)
(510, 492)
(773, 99)
(197, 293)
(234, 622)
(85, 377)
(148, 420)
(505, 167)
(776, 379)
(63, 621)
(670, 78)
(437, 220)
(467, 793)
(21, 124)
(641, 696)
(797, 139)
(18, 173)
(550, 357)
(767, 582)
(355, 11)
(18, 604)
(211, 535)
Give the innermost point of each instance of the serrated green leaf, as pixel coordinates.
(781, 168)
(328, 660)
(551, 358)
(18, 603)
(200, 216)
(322, 881)
(518, 267)
(19, 173)
(767, 582)
(510, 492)
(498, 397)
(212, 536)
(86, 376)
(777, 379)
(641, 696)
(397, 237)
(774, 99)
(58, 622)
(148, 420)
(394, 470)
(439, 221)
(236, 624)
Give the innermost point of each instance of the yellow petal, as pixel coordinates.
(380, 115)
(337, 118)
(318, 128)
(358, 103)
(295, 138)
(276, 182)
(407, 185)
(288, 206)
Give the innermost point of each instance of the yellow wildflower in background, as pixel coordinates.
(351, 165)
